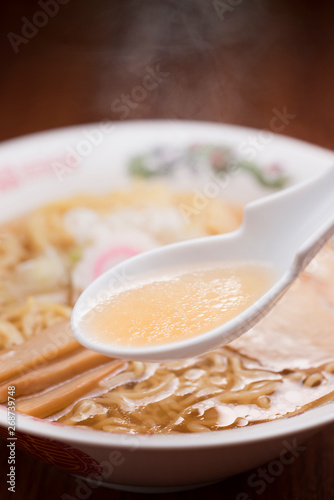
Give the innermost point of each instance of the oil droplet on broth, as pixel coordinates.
(177, 307)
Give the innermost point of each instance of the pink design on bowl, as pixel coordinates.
(57, 453)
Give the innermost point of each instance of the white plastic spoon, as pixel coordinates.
(284, 230)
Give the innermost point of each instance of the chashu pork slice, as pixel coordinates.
(299, 332)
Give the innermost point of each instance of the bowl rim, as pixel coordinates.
(59, 131)
(308, 421)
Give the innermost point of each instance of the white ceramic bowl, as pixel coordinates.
(99, 157)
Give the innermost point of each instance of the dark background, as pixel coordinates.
(235, 67)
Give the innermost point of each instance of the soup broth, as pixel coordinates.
(177, 306)
(283, 366)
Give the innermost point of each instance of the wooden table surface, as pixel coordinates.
(227, 61)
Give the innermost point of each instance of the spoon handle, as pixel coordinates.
(293, 225)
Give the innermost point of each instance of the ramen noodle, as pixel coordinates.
(283, 366)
